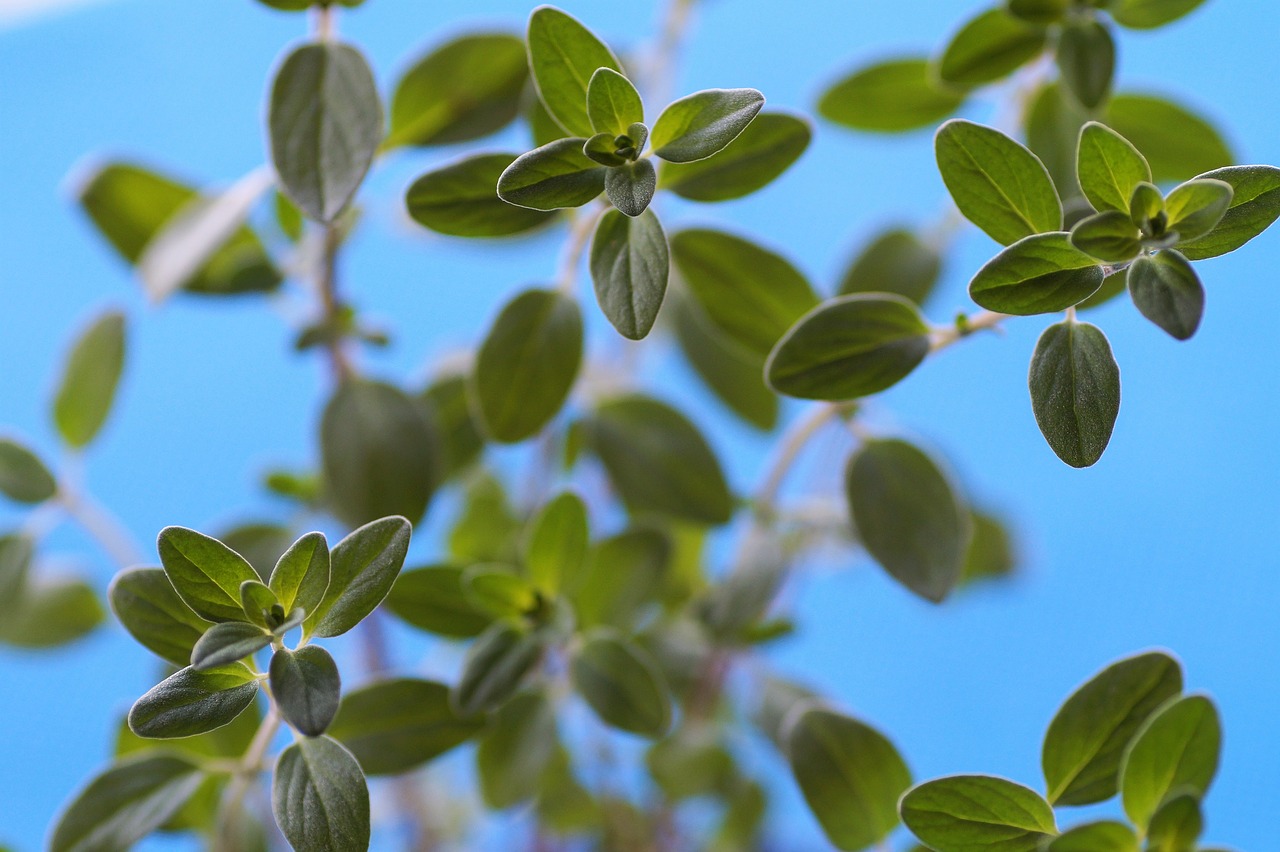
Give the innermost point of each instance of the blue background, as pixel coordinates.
(1168, 542)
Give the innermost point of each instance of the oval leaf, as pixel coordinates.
(1168, 292)
(153, 613)
(890, 97)
(516, 750)
(563, 55)
(969, 813)
(320, 798)
(1177, 143)
(192, 702)
(630, 265)
(1109, 168)
(432, 599)
(204, 572)
(762, 152)
(306, 687)
(1255, 205)
(1041, 274)
(89, 380)
(496, 664)
(1176, 750)
(23, 476)
(554, 176)
(1103, 836)
(1087, 59)
(363, 567)
(301, 576)
(989, 47)
(1075, 391)
(226, 643)
(895, 261)
(630, 186)
(461, 200)
(613, 104)
(622, 684)
(701, 124)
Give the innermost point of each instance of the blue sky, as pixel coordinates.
(1168, 542)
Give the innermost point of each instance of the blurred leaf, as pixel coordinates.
(969, 812)
(1176, 824)
(261, 543)
(23, 476)
(498, 591)
(989, 47)
(895, 261)
(699, 125)
(1038, 11)
(691, 762)
(51, 611)
(622, 574)
(563, 55)
(516, 750)
(1087, 59)
(319, 797)
(1175, 751)
(496, 664)
(763, 151)
(362, 568)
(88, 386)
(16, 552)
(622, 684)
(1053, 124)
(991, 551)
(460, 434)
(1176, 142)
(153, 613)
(193, 702)
(461, 200)
(733, 373)
(630, 265)
(432, 599)
(487, 529)
(555, 546)
(890, 97)
(1075, 391)
(1149, 14)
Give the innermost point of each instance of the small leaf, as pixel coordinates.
(498, 591)
(557, 541)
(1104, 836)
(1087, 737)
(1087, 59)
(764, 150)
(496, 664)
(204, 572)
(1175, 750)
(966, 813)
(1178, 143)
(51, 611)
(894, 261)
(1168, 292)
(554, 176)
(1109, 235)
(363, 567)
(1110, 167)
(153, 613)
(630, 265)
(630, 186)
(1197, 206)
(1041, 274)
(23, 476)
(1146, 207)
(849, 347)
(461, 200)
(1176, 825)
(998, 184)
(699, 125)
(732, 373)
(613, 104)
(260, 605)
(306, 687)
(301, 576)
(1255, 205)
(226, 643)
(1149, 14)
(563, 56)
(691, 762)
(432, 599)
(459, 432)
(622, 684)
(850, 774)
(988, 48)
(516, 750)
(908, 516)
(527, 364)
(192, 702)
(890, 97)
(320, 798)
(325, 122)
(125, 803)
(753, 295)
(89, 380)
(1075, 391)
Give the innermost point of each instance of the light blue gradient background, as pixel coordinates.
(1170, 541)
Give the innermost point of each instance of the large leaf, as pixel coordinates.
(622, 684)
(1255, 205)
(554, 176)
(307, 688)
(89, 380)
(563, 54)
(362, 568)
(762, 152)
(1041, 274)
(204, 572)
(1197, 206)
(320, 798)
(977, 813)
(989, 47)
(1109, 167)
(192, 702)
(153, 613)
(630, 265)
(1176, 750)
(890, 97)
(613, 104)
(461, 200)
(699, 125)
(1075, 391)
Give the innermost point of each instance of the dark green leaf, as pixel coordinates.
(1087, 59)
(734, 374)
(908, 516)
(204, 572)
(88, 385)
(363, 567)
(1168, 292)
(1038, 275)
(464, 89)
(153, 613)
(1176, 142)
(192, 702)
(1255, 205)
(1103, 836)
(461, 200)
(630, 264)
(1075, 391)
(890, 97)
(325, 122)
(392, 726)
(698, 125)
(613, 104)
(975, 813)
(527, 364)
(460, 434)
(989, 47)
(496, 664)
(306, 687)
(761, 153)
(516, 750)
(226, 643)
(998, 184)
(320, 798)
(630, 186)
(895, 261)
(1109, 235)
(1175, 750)
(23, 476)
(301, 577)
(622, 684)
(16, 552)
(379, 453)
(1197, 206)
(563, 55)
(51, 611)
(1038, 11)
(1087, 737)
(432, 599)
(1149, 14)
(1110, 167)
(1176, 825)
(850, 774)
(848, 347)
(557, 540)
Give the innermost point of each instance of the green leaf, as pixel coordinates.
(16, 552)
(498, 591)
(301, 576)
(192, 702)
(204, 572)
(630, 265)
(486, 528)
(306, 687)
(320, 798)
(147, 605)
(603, 148)
(1176, 750)
(1075, 391)
(125, 803)
(460, 434)
(1176, 142)
(622, 574)
(363, 567)
(908, 516)
(849, 347)
(1053, 123)
(461, 200)
(894, 261)
(527, 364)
(622, 684)
(763, 151)
(613, 104)
(563, 56)
(1255, 205)
(988, 48)
(260, 605)
(261, 543)
(51, 611)
(630, 186)
(557, 540)
(691, 762)
(88, 387)
(1038, 11)
(516, 750)
(379, 453)
(699, 125)
(658, 461)
(552, 177)
(1104, 836)
(496, 664)
(325, 123)
(753, 295)
(1176, 825)
(464, 89)
(394, 725)
(226, 643)
(1041, 274)
(1110, 167)
(1146, 208)
(1087, 737)
(890, 97)
(1197, 206)
(731, 372)
(998, 184)
(1087, 59)
(975, 813)
(850, 774)
(23, 476)
(432, 599)
(1168, 292)
(1149, 14)
(563, 804)
(1109, 235)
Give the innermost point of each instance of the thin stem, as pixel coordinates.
(228, 838)
(965, 326)
(326, 24)
(104, 527)
(584, 225)
(331, 305)
(793, 443)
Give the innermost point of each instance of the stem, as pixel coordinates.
(331, 305)
(980, 321)
(793, 442)
(228, 839)
(326, 24)
(584, 225)
(104, 527)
